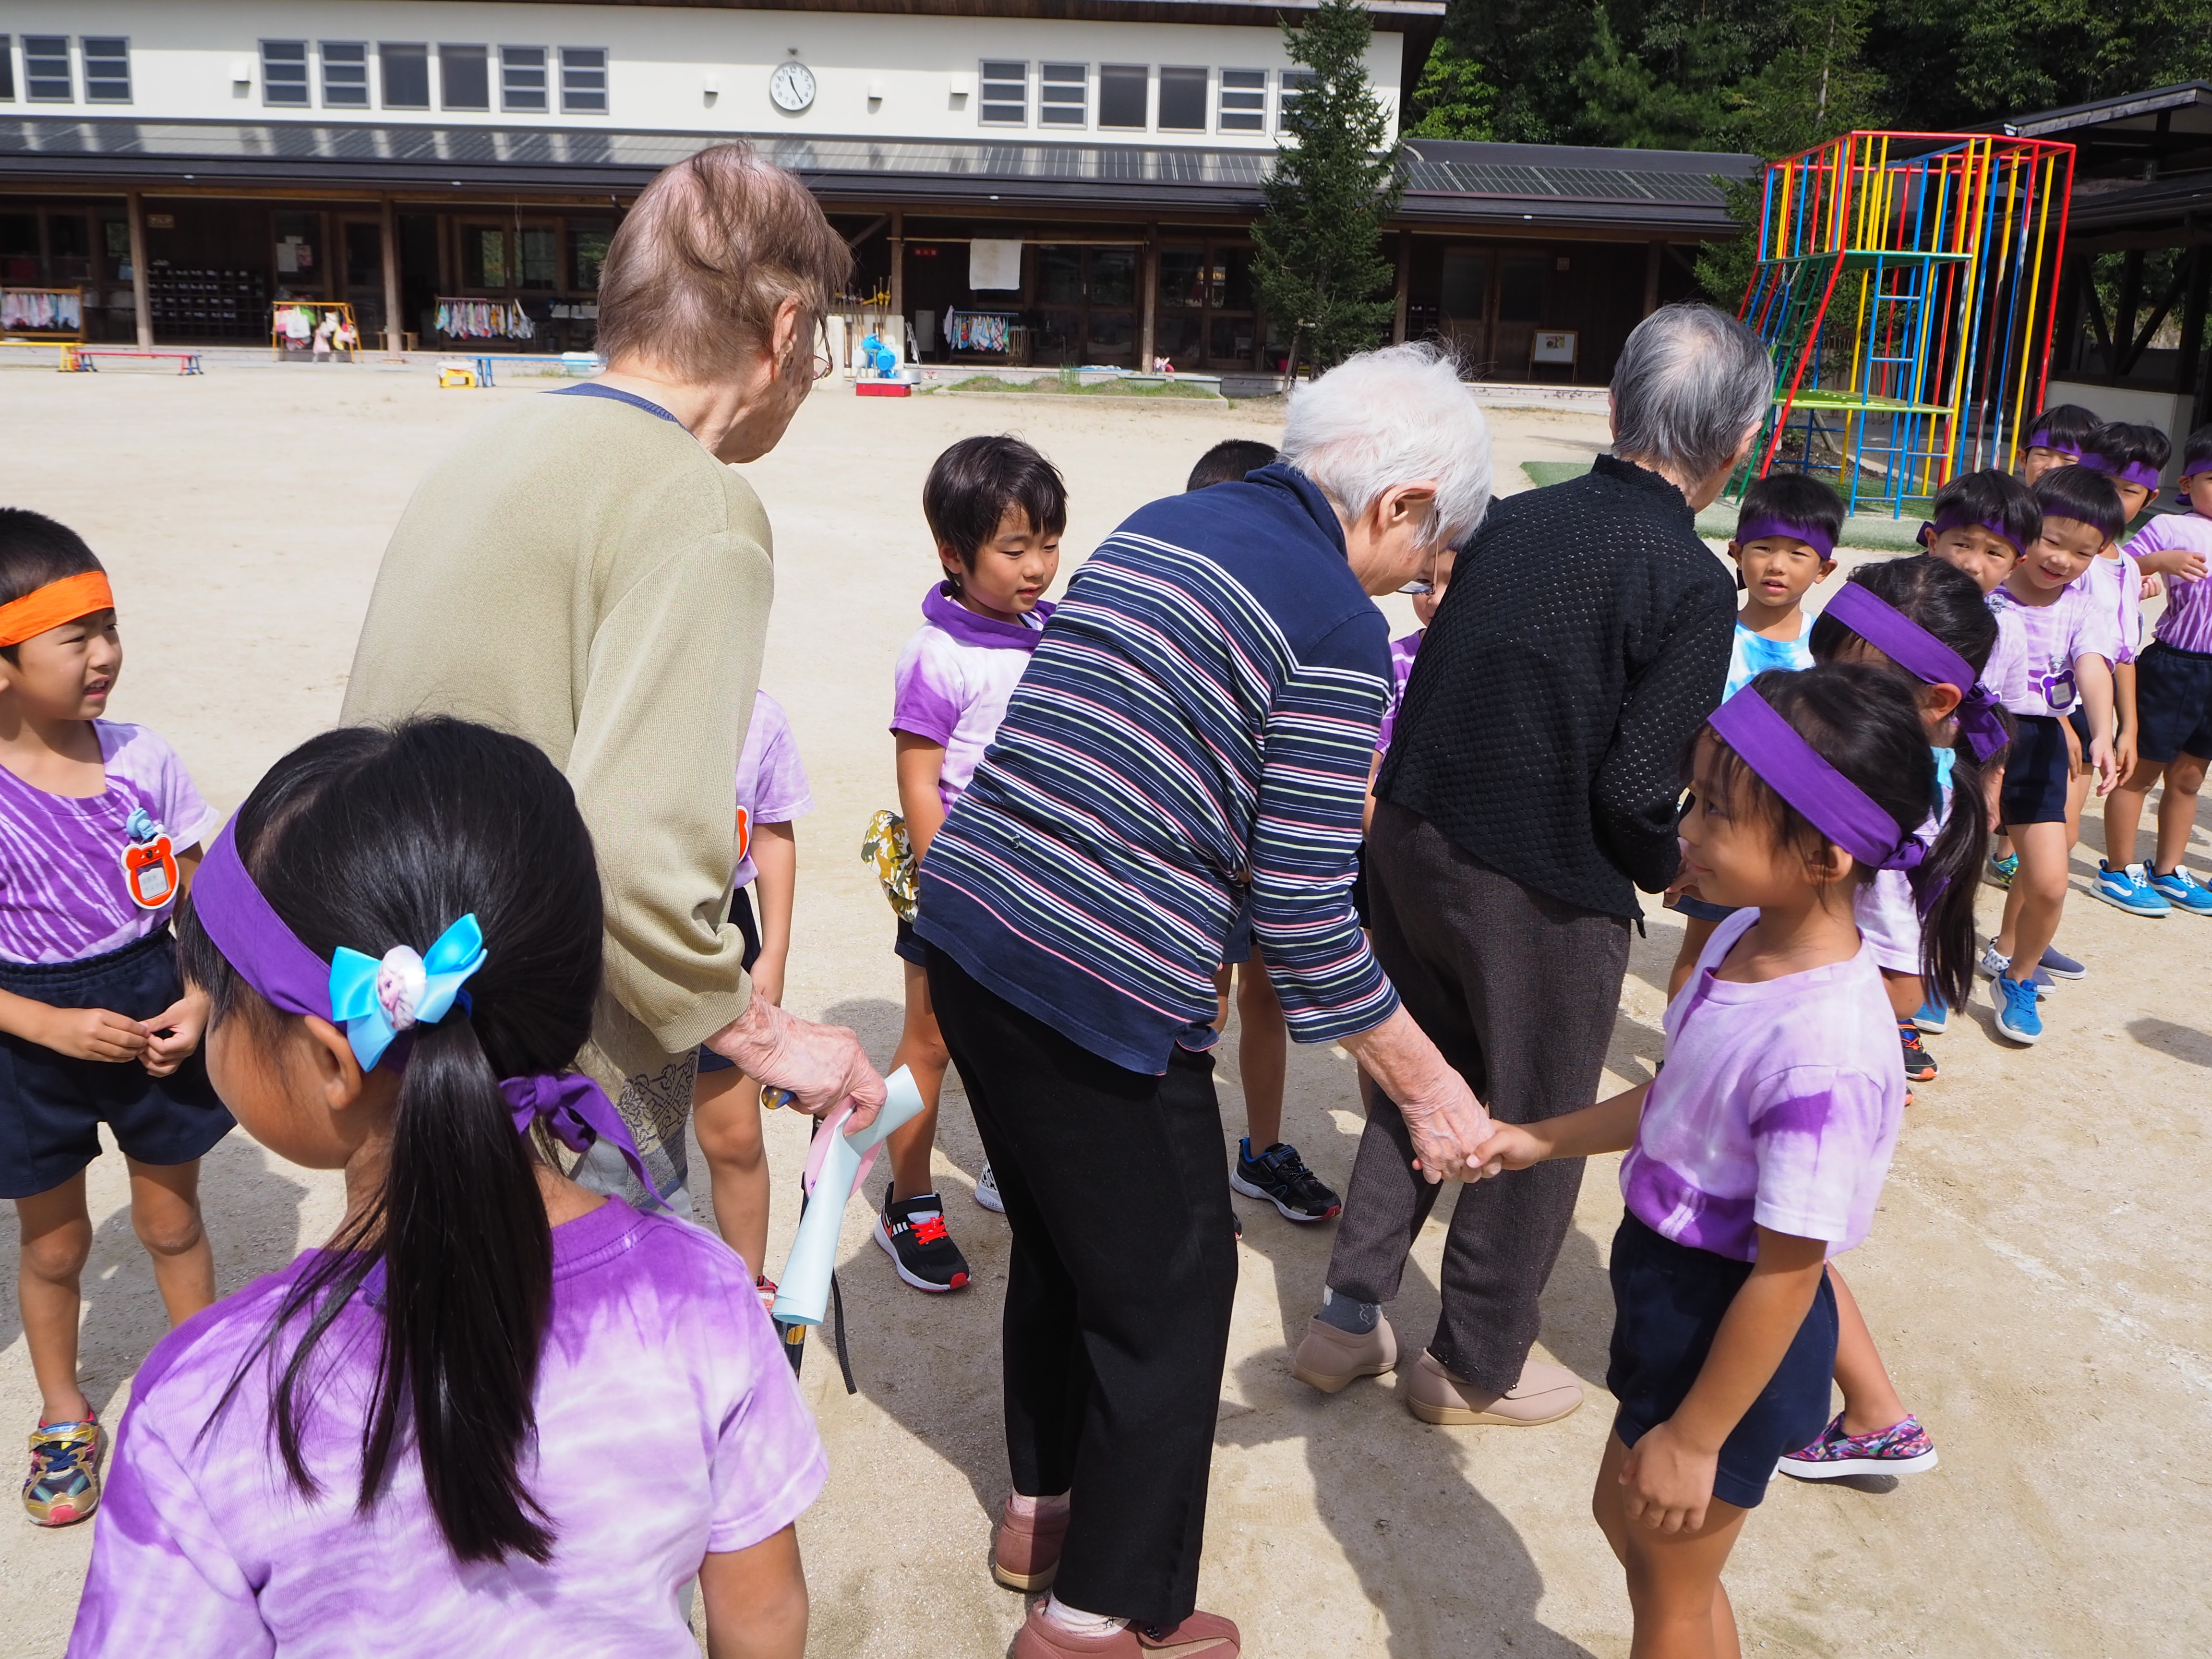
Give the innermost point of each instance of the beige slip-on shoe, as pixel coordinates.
(1545, 1394)
(1329, 1358)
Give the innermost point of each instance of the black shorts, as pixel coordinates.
(1668, 1302)
(907, 945)
(51, 1106)
(741, 911)
(1699, 910)
(2174, 704)
(2035, 773)
(1238, 947)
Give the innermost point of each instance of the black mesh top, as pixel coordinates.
(1583, 640)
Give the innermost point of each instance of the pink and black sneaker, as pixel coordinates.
(1900, 1448)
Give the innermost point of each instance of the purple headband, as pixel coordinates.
(2135, 472)
(1957, 518)
(2042, 439)
(1829, 802)
(1924, 657)
(269, 956)
(1768, 524)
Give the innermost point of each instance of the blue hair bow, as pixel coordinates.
(376, 1000)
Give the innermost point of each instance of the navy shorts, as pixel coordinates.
(741, 911)
(2174, 704)
(1668, 1302)
(2035, 773)
(51, 1106)
(1238, 948)
(907, 945)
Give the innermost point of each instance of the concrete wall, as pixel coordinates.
(682, 69)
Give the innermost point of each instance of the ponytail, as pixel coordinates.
(1943, 886)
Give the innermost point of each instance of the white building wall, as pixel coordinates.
(672, 69)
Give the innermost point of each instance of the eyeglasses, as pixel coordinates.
(822, 366)
(1418, 587)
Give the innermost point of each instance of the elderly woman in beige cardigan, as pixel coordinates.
(587, 570)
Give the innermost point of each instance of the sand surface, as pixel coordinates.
(2029, 1277)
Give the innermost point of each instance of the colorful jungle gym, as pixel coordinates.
(1907, 286)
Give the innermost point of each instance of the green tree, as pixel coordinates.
(1318, 261)
(1454, 98)
(1528, 50)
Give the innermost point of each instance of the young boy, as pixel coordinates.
(2064, 650)
(1784, 546)
(1276, 1173)
(99, 832)
(2057, 437)
(2174, 693)
(2132, 456)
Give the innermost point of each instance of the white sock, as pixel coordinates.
(1028, 1509)
(1076, 1622)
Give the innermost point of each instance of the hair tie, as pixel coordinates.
(577, 1112)
(377, 1000)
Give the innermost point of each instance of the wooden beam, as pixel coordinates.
(1148, 273)
(140, 303)
(898, 264)
(395, 331)
(1405, 279)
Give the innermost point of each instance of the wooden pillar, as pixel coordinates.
(136, 206)
(2188, 361)
(1148, 273)
(395, 332)
(898, 264)
(1405, 281)
(1654, 254)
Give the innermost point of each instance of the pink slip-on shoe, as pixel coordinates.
(1025, 1554)
(1202, 1636)
(1901, 1449)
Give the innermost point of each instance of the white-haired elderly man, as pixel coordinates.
(1529, 791)
(1195, 728)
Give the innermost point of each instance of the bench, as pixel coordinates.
(80, 359)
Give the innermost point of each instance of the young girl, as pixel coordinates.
(725, 1108)
(100, 829)
(2174, 690)
(1760, 1150)
(1784, 546)
(2065, 647)
(996, 508)
(498, 1412)
(1926, 619)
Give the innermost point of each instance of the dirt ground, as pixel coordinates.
(2027, 1277)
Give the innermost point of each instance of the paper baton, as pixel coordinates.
(835, 1165)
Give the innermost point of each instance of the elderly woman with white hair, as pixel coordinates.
(1530, 789)
(1195, 728)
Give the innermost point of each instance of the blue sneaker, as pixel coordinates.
(2128, 889)
(2056, 965)
(1992, 965)
(1999, 872)
(2018, 1017)
(2184, 891)
(1934, 1019)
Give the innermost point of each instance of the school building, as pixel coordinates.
(1032, 182)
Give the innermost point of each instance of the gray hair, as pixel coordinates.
(1394, 416)
(1691, 381)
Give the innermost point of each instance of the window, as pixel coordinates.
(1123, 95)
(1293, 86)
(1182, 100)
(7, 71)
(463, 77)
(284, 71)
(483, 257)
(107, 68)
(522, 77)
(345, 75)
(47, 75)
(587, 244)
(1063, 94)
(584, 80)
(406, 71)
(1244, 101)
(1006, 95)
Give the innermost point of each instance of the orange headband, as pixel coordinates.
(55, 603)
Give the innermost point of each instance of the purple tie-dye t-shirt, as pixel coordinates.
(1403, 650)
(771, 780)
(669, 1427)
(1778, 1107)
(2033, 673)
(2185, 624)
(63, 895)
(953, 680)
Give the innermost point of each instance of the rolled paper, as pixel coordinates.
(837, 1165)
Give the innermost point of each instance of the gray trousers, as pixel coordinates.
(1519, 992)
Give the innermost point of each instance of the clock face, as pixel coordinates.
(791, 85)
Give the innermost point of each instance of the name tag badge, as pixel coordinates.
(150, 863)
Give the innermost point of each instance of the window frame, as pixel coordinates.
(1182, 74)
(603, 69)
(475, 51)
(1080, 85)
(1223, 112)
(306, 81)
(325, 62)
(507, 93)
(1289, 86)
(30, 94)
(384, 49)
(84, 46)
(7, 69)
(1143, 71)
(985, 81)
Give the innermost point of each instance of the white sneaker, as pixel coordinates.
(986, 1192)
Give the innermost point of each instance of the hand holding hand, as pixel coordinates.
(768, 976)
(1670, 1482)
(1510, 1147)
(1445, 1120)
(93, 1034)
(823, 1065)
(174, 1033)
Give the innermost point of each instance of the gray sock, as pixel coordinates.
(1357, 1318)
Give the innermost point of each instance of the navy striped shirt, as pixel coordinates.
(1195, 725)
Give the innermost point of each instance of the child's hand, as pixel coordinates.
(2100, 760)
(768, 976)
(92, 1034)
(2124, 758)
(2153, 584)
(175, 1032)
(2074, 767)
(1670, 1483)
(1510, 1147)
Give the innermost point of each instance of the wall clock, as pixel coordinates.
(791, 87)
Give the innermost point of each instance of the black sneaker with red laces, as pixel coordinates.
(912, 1233)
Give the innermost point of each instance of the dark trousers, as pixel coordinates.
(1118, 1291)
(1519, 992)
